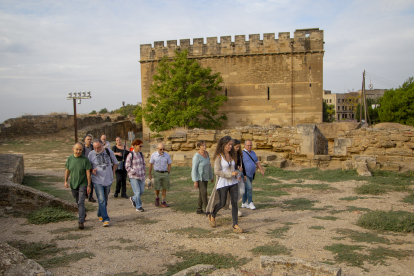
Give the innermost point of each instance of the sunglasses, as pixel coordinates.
(161, 149)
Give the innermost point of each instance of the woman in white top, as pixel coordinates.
(226, 182)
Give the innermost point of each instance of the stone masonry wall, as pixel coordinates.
(270, 81)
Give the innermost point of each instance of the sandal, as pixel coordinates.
(238, 230)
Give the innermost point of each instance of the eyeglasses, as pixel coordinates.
(161, 149)
(248, 145)
(140, 146)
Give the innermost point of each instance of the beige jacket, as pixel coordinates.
(215, 198)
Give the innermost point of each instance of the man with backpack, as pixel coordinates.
(104, 165)
(250, 161)
(87, 148)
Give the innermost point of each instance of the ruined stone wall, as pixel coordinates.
(49, 124)
(258, 75)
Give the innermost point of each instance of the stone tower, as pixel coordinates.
(269, 81)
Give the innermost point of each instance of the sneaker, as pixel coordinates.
(105, 224)
(81, 225)
(133, 202)
(115, 195)
(91, 199)
(157, 201)
(100, 218)
(245, 205)
(125, 196)
(164, 204)
(140, 209)
(251, 206)
(239, 213)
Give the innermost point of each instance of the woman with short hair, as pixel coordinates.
(121, 152)
(201, 173)
(226, 182)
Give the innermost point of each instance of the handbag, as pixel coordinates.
(121, 165)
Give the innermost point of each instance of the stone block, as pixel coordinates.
(187, 146)
(321, 157)
(355, 149)
(271, 157)
(175, 146)
(399, 151)
(409, 145)
(371, 161)
(193, 137)
(247, 136)
(347, 165)
(374, 151)
(288, 266)
(399, 137)
(236, 135)
(362, 169)
(343, 142)
(386, 144)
(260, 145)
(281, 163)
(262, 138)
(389, 166)
(207, 137)
(167, 147)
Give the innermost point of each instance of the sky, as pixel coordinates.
(49, 48)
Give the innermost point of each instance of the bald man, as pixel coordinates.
(79, 168)
(105, 142)
(161, 162)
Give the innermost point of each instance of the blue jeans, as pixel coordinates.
(138, 187)
(102, 193)
(248, 190)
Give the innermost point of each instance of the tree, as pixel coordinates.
(372, 112)
(184, 94)
(397, 105)
(138, 114)
(103, 110)
(129, 110)
(328, 112)
(93, 112)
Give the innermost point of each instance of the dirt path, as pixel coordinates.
(145, 242)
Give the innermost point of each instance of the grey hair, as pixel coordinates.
(98, 140)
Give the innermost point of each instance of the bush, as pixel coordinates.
(397, 221)
(93, 112)
(103, 110)
(50, 214)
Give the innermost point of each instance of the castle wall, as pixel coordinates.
(269, 81)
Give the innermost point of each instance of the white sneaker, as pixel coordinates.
(245, 205)
(251, 206)
(239, 213)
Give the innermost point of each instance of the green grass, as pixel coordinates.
(298, 204)
(371, 189)
(193, 257)
(367, 237)
(278, 233)
(316, 227)
(271, 249)
(35, 250)
(50, 214)
(193, 232)
(327, 218)
(351, 254)
(350, 198)
(409, 199)
(396, 221)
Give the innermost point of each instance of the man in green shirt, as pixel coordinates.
(79, 168)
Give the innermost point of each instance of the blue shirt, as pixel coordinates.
(248, 162)
(160, 162)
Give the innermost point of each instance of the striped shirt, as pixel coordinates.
(136, 168)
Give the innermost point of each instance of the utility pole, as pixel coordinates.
(123, 104)
(77, 96)
(365, 98)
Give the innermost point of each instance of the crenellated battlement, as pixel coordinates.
(304, 41)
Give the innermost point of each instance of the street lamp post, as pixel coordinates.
(123, 104)
(77, 96)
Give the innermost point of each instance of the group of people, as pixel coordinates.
(93, 166)
(234, 169)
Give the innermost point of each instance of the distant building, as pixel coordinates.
(345, 104)
(374, 94)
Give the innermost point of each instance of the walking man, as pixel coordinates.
(102, 176)
(87, 148)
(250, 163)
(78, 168)
(161, 162)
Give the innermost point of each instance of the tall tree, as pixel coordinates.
(397, 105)
(184, 94)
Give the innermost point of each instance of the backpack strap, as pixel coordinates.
(109, 154)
